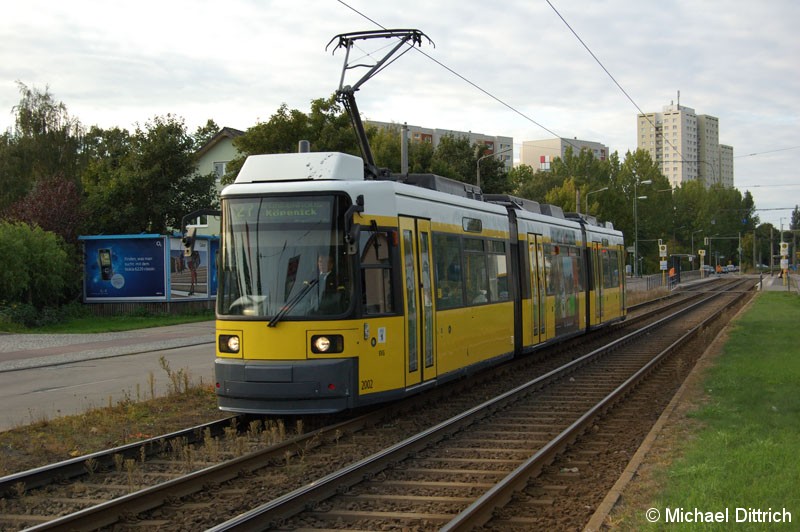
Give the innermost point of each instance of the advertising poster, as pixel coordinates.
(213, 253)
(125, 267)
(189, 275)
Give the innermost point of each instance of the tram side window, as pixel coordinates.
(449, 280)
(569, 281)
(498, 271)
(477, 271)
(376, 274)
(552, 269)
(613, 264)
(578, 268)
(610, 280)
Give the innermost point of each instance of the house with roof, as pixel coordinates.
(214, 157)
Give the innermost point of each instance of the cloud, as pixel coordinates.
(506, 67)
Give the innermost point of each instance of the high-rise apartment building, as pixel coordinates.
(726, 165)
(686, 146)
(538, 154)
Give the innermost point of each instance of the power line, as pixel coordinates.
(610, 76)
(631, 99)
(761, 186)
(766, 152)
(463, 78)
(593, 56)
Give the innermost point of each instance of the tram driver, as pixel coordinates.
(330, 291)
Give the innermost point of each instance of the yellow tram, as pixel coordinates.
(337, 291)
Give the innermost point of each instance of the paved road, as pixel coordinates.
(46, 376)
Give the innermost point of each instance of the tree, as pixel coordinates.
(205, 133)
(46, 142)
(55, 205)
(563, 196)
(494, 178)
(385, 144)
(148, 181)
(13, 186)
(327, 128)
(454, 157)
(36, 267)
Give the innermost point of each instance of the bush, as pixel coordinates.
(28, 316)
(36, 267)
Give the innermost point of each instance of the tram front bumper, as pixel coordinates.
(288, 387)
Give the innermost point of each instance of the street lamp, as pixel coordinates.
(636, 197)
(586, 210)
(482, 157)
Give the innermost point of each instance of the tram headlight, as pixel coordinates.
(327, 343)
(228, 343)
(322, 344)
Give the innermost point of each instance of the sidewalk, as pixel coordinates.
(776, 284)
(24, 351)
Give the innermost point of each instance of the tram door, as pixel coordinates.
(536, 277)
(598, 265)
(418, 300)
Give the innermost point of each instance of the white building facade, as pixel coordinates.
(685, 146)
(538, 154)
(499, 145)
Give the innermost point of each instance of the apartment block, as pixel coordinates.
(502, 146)
(685, 145)
(538, 154)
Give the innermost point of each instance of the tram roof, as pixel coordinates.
(310, 166)
(333, 166)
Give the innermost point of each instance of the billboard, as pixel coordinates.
(148, 267)
(195, 275)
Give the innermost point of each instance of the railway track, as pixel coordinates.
(162, 499)
(429, 481)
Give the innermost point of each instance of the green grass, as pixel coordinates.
(746, 453)
(94, 324)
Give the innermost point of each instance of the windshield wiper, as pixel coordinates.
(292, 302)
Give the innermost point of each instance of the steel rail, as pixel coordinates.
(274, 513)
(109, 512)
(482, 510)
(76, 467)
(152, 497)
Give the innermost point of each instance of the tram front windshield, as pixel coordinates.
(284, 258)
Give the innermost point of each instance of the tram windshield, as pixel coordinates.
(284, 257)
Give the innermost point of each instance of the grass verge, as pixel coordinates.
(93, 324)
(740, 449)
(78, 321)
(129, 420)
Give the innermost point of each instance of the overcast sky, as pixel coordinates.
(122, 63)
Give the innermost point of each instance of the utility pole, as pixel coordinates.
(771, 250)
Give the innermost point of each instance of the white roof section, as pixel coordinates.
(312, 166)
